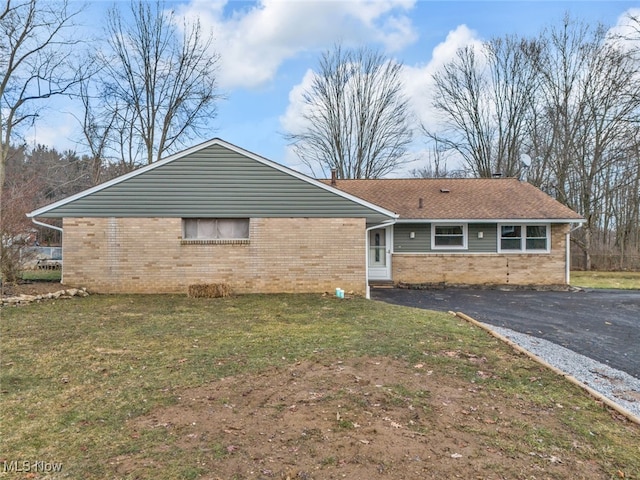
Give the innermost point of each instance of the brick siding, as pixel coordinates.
(146, 255)
(486, 269)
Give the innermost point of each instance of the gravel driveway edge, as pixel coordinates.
(613, 387)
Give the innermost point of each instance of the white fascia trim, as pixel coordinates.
(209, 143)
(511, 221)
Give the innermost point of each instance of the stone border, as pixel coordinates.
(595, 394)
(24, 299)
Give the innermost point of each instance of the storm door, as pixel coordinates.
(379, 256)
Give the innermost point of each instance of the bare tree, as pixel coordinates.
(485, 96)
(356, 116)
(589, 97)
(97, 127)
(568, 102)
(35, 63)
(461, 96)
(435, 164)
(514, 81)
(159, 81)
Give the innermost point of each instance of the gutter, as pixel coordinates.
(385, 224)
(567, 256)
(42, 224)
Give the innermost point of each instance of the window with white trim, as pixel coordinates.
(215, 228)
(524, 238)
(449, 236)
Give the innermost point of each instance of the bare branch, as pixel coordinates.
(356, 116)
(35, 63)
(161, 84)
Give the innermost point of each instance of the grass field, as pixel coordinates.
(76, 373)
(620, 280)
(624, 280)
(42, 275)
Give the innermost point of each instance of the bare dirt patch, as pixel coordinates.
(359, 419)
(31, 288)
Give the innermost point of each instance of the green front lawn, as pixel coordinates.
(620, 280)
(75, 372)
(42, 275)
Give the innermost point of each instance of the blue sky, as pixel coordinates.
(269, 47)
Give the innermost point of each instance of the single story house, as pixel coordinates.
(216, 213)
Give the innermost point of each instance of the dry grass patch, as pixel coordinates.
(616, 280)
(209, 290)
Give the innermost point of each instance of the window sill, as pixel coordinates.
(225, 241)
(523, 252)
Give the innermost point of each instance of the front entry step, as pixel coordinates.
(381, 284)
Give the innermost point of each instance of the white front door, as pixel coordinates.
(379, 256)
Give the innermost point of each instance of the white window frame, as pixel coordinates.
(465, 236)
(523, 239)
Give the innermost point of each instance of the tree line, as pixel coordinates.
(148, 87)
(561, 111)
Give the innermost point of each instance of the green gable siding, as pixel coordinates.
(403, 243)
(214, 182)
(488, 242)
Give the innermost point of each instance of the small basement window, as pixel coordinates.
(525, 238)
(449, 236)
(215, 229)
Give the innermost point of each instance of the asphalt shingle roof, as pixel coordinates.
(459, 198)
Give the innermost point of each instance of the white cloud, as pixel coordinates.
(418, 84)
(418, 79)
(627, 28)
(60, 134)
(292, 120)
(253, 43)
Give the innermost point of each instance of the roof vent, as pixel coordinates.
(420, 202)
(497, 175)
(444, 190)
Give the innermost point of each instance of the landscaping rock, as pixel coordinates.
(27, 299)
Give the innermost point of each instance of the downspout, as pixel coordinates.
(567, 262)
(366, 253)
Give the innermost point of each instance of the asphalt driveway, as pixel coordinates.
(601, 324)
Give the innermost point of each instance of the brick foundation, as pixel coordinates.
(146, 255)
(486, 269)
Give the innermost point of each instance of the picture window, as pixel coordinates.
(215, 228)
